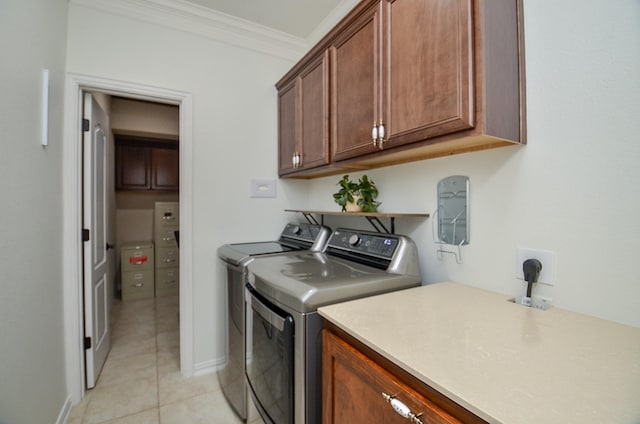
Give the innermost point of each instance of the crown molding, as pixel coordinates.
(198, 20)
(330, 21)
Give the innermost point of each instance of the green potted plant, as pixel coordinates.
(357, 197)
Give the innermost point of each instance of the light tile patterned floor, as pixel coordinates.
(141, 381)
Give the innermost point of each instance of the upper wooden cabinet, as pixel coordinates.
(401, 73)
(147, 165)
(427, 80)
(414, 79)
(303, 111)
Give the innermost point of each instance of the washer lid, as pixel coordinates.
(307, 280)
(239, 252)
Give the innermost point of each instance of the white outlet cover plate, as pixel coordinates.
(546, 257)
(262, 188)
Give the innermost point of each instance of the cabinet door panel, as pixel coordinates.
(353, 385)
(428, 85)
(133, 169)
(286, 128)
(349, 395)
(165, 170)
(314, 100)
(355, 87)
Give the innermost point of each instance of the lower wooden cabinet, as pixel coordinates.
(359, 389)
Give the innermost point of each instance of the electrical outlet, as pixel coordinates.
(542, 303)
(546, 257)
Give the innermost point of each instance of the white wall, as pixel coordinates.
(32, 377)
(134, 117)
(570, 190)
(573, 189)
(234, 136)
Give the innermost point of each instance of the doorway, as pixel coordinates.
(75, 86)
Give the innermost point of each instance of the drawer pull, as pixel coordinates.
(402, 409)
(138, 260)
(138, 285)
(166, 261)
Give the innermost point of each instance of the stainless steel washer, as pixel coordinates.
(235, 258)
(283, 328)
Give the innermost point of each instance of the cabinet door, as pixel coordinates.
(355, 86)
(353, 387)
(428, 73)
(133, 168)
(314, 112)
(165, 169)
(287, 130)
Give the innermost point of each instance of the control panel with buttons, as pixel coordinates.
(374, 244)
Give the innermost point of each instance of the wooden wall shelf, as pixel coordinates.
(372, 217)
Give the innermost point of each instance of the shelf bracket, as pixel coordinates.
(379, 226)
(372, 217)
(311, 219)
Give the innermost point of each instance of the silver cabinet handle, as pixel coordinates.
(402, 409)
(166, 261)
(138, 285)
(374, 134)
(381, 134)
(296, 160)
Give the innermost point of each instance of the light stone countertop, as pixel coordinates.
(504, 362)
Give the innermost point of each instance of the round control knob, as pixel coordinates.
(296, 230)
(354, 240)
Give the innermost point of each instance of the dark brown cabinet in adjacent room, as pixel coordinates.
(147, 165)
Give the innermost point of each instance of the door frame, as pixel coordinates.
(75, 85)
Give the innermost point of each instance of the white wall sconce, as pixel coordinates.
(44, 134)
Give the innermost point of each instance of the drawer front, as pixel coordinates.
(137, 285)
(137, 259)
(167, 257)
(165, 236)
(166, 214)
(167, 281)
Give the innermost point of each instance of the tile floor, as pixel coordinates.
(141, 382)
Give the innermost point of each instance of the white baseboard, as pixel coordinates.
(207, 367)
(63, 416)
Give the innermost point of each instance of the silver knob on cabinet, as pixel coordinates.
(402, 409)
(374, 134)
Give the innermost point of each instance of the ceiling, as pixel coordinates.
(295, 17)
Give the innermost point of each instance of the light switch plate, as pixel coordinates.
(263, 188)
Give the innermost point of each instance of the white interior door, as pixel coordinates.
(96, 266)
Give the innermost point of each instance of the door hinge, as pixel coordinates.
(85, 234)
(85, 125)
(87, 343)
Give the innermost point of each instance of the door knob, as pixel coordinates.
(110, 246)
